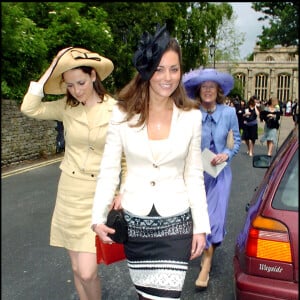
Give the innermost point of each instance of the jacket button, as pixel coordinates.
(152, 183)
(155, 166)
(73, 172)
(92, 175)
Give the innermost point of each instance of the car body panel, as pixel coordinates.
(260, 288)
(271, 269)
(255, 277)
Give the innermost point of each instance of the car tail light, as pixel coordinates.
(269, 239)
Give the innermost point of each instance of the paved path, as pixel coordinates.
(34, 271)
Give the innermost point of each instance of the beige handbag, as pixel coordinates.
(230, 139)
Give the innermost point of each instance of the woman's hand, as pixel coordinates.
(219, 158)
(198, 245)
(46, 75)
(102, 230)
(117, 202)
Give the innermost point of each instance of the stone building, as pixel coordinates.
(272, 73)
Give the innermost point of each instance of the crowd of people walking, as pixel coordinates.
(253, 114)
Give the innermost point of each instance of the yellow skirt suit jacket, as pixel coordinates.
(85, 133)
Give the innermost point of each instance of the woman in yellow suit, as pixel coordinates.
(85, 110)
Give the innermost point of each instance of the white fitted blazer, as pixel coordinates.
(173, 183)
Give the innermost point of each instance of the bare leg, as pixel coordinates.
(85, 271)
(251, 147)
(248, 145)
(206, 262)
(270, 146)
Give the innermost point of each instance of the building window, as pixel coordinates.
(270, 58)
(283, 87)
(241, 81)
(261, 86)
(291, 57)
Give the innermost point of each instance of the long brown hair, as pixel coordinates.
(273, 102)
(97, 84)
(134, 97)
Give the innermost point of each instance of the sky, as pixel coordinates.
(247, 23)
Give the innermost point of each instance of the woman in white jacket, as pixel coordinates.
(163, 197)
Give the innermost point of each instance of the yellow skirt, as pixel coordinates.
(71, 220)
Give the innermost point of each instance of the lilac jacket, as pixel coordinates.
(224, 119)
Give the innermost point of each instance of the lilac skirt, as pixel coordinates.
(217, 193)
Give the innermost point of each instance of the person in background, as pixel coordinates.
(163, 197)
(209, 87)
(60, 139)
(295, 111)
(231, 103)
(250, 132)
(271, 116)
(85, 109)
(240, 111)
(258, 104)
(288, 109)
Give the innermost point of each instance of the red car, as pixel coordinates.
(266, 252)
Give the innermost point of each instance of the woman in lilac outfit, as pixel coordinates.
(209, 87)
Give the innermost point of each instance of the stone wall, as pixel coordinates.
(24, 138)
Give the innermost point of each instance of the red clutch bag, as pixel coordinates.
(109, 253)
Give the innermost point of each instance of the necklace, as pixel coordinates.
(210, 110)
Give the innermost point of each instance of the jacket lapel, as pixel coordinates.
(103, 115)
(143, 133)
(77, 113)
(144, 141)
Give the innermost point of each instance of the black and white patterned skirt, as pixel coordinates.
(158, 252)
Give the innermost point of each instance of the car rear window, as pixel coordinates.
(287, 195)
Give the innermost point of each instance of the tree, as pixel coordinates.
(194, 24)
(284, 23)
(71, 24)
(32, 34)
(198, 28)
(23, 50)
(228, 41)
(128, 20)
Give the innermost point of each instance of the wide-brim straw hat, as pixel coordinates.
(194, 78)
(72, 58)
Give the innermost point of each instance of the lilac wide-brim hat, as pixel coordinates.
(194, 78)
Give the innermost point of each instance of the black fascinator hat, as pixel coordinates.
(150, 50)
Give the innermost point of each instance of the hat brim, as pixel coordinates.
(194, 78)
(74, 58)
